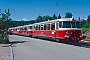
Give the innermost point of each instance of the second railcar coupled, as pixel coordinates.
(67, 29)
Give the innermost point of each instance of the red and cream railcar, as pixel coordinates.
(67, 29)
(14, 30)
(22, 30)
(60, 29)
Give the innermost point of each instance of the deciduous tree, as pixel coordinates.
(68, 15)
(88, 19)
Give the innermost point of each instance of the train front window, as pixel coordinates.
(78, 24)
(66, 24)
(73, 24)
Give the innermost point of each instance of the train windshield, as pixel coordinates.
(78, 25)
(66, 24)
(71, 24)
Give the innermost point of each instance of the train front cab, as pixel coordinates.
(60, 30)
(69, 31)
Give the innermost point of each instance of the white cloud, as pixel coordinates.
(25, 19)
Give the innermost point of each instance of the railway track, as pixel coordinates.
(83, 43)
(80, 44)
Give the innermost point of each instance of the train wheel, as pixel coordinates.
(76, 41)
(30, 35)
(37, 37)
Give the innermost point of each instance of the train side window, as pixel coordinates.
(53, 26)
(41, 27)
(60, 24)
(66, 24)
(30, 27)
(37, 27)
(34, 27)
(57, 25)
(18, 29)
(25, 28)
(73, 24)
(21, 28)
(48, 27)
(15, 29)
(45, 27)
(78, 24)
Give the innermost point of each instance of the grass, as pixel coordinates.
(85, 29)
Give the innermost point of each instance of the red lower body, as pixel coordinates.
(72, 35)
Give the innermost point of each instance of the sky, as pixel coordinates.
(31, 9)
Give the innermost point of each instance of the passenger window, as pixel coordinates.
(20, 28)
(60, 24)
(48, 27)
(25, 28)
(57, 25)
(30, 27)
(53, 26)
(36, 27)
(41, 27)
(17, 28)
(66, 24)
(45, 27)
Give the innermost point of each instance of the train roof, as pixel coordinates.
(50, 21)
(25, 25)
(21, 26)
(57, 20)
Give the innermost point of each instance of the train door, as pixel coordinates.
(53, 30)
(29, 30)
(56, 28)
(18, 30)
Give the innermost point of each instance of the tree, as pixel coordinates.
(83, 22)
(51, 18)
(39, 19)
(87, 25)
(47, 17)
(88, 19)
(54, 16)
(68, 15)
(44, 18)
(59, 17)
(79, 18)
(4, 20)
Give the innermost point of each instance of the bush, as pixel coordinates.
(84, 29)
(4, 39)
